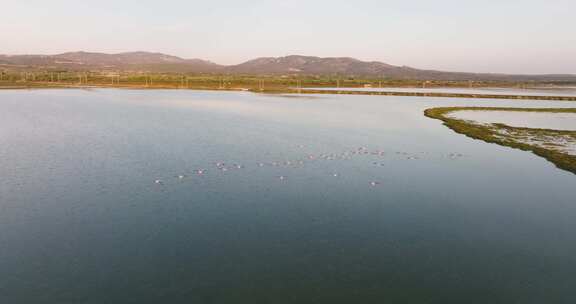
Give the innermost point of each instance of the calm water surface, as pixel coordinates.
(328, 199)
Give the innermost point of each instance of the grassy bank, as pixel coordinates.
(538, 141)
(264, 84)
(239, 80)
(450, 95)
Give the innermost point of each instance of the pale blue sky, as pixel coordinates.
(512, 36)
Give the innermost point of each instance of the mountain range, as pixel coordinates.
(288, 65)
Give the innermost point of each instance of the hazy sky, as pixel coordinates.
(513, 36)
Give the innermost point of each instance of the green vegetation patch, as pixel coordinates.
(270, 84)
(557, 146)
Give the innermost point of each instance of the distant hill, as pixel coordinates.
(313, 65)
(289, 65)
(133, 61)
(346, 66)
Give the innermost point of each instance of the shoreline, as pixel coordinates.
(509, 136)
(439, 94)
(344, 91)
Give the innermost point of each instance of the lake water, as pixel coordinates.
(552, 91)
(169, 196)
(555, 121)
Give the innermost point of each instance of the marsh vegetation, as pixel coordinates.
(557, 146)
(309, 84)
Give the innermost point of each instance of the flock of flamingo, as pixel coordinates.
(222, 166)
